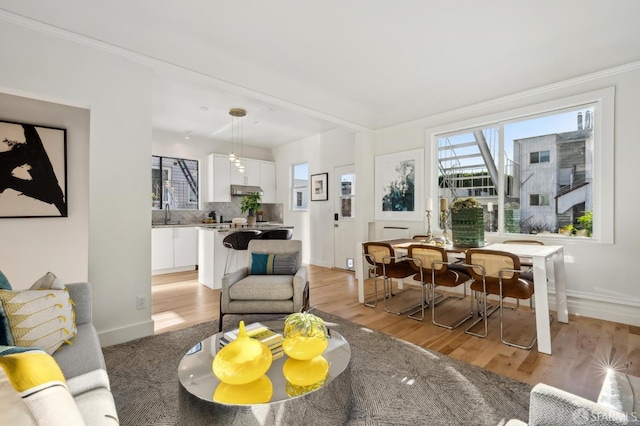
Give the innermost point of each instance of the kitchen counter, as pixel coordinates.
(214, 259)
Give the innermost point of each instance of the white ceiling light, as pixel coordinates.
(236, 135)
(186, 134)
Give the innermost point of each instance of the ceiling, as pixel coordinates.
(301, 67)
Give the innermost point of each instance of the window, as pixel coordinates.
(538, 200)
(539, 157)
(174, 182)
(299, 186)
(544, 166)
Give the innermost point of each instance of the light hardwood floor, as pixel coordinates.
(582, 349)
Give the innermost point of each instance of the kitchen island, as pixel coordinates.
(213, 256)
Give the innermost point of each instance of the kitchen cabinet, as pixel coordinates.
(250, 176)
(223, 173)
(219, 169)
(173, 248)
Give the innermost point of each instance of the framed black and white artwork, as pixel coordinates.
(33, 171)
(399, 186)
(319, 189)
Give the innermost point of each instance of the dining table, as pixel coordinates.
(548, 273)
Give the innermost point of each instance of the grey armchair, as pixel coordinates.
(271, 284)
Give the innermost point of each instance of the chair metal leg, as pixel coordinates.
(462, 320)
(484, 316)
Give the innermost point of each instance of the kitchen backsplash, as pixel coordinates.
(272, 212)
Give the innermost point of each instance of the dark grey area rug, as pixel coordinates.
(393, 382)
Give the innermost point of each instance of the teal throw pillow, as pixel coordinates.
(273, 264)
(5, 331)
(4, 282)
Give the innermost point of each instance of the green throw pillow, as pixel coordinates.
(273, 264)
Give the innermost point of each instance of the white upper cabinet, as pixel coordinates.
(223, 173)
(219, 168)
(251, 175)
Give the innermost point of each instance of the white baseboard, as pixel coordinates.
(171, 270)
(609, 311)
(126, 334)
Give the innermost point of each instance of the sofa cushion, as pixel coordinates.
(39, 382)
(84, 356)
(42, 316)
(98, 407)
(273, 264)
(253, 288)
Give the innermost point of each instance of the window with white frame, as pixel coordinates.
(299, 186)
(543, 166)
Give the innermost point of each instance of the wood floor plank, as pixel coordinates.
(582, 349)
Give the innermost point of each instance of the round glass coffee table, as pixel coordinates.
(329, 404)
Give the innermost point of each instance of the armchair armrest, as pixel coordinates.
(550, 405)
(300, 281)
(229, 280)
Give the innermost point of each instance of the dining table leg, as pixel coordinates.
(543, 328)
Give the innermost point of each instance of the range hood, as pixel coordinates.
(245, 189)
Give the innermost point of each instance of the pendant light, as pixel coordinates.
(236, 136)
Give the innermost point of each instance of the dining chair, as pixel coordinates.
(433, 269)
(498, 273)
(532, 242)
(382, 260)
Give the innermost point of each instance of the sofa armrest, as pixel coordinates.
(550, 405)
(80, 293)
(300, 281)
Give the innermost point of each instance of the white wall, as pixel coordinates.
(322, 152)
(29, 248)
(113, 170)
(601, 278)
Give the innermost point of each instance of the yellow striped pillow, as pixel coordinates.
(42, 317)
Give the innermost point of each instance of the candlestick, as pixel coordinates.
(444, 215)
(429, 204)
(429, 234)
(443, 204)
(489, 207)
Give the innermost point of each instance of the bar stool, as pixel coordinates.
(238, 241)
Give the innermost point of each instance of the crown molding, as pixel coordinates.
(455, 114)
(162, 67)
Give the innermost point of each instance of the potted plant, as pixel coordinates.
(586, 221)
(467, 223)
(250, 203)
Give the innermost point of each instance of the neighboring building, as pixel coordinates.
(555, 175)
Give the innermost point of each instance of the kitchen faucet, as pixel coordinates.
(167, 213)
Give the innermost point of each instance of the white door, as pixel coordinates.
(345, 216)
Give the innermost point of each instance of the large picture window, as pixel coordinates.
(540, 168)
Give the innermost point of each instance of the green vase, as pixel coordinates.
(467, 227)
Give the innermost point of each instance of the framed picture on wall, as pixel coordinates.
(33, 171)
(319, 189)
(399, 186)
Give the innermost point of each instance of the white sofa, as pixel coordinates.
(617, 404)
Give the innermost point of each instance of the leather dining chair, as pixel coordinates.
(498, 273)
(382, 261)
(433, 269)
